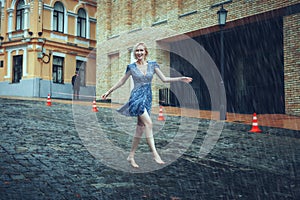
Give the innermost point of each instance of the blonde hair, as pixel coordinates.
(142, 44)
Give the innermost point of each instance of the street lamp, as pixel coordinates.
(222, 15)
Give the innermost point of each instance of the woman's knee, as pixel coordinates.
(140, 127)
(148, 124)
(145, 120)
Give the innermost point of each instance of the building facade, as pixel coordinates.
(261, 65)
(43, 43)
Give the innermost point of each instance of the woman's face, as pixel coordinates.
(140, 52)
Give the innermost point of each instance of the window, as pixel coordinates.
(80, 67)
(58, 69)
(58, 17)
(81, 23)
(20, 15)
(17, 68)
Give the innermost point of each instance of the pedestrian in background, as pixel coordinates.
(140, 100)
(76, 85)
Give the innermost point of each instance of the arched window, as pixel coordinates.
(81, 23)
(58, 17)
(20, 15)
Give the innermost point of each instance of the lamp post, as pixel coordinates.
(222, 15)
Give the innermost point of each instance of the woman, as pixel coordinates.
(140, 100)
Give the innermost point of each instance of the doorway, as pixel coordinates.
(254, 72)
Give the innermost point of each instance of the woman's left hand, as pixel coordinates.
(186, 79)
(104, 96)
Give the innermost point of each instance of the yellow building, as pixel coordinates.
(43, 43)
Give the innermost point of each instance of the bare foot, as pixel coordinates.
(158, 160)
(132, 162)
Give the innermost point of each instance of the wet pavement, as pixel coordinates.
(43, 155)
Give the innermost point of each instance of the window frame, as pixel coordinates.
(20, 15)
(58, 17)
(56, 68)
(82, 23)
(17, 68)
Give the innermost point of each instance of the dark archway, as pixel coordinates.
(254, 72)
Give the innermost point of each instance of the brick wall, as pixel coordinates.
(292, 64)
(117, 16)
(122, 23)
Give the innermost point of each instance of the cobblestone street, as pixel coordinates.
(43, 156)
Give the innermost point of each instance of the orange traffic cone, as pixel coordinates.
(160, 115)
(49, 103)
(95, 109)
(255, 128)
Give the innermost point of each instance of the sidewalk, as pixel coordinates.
(269, 120)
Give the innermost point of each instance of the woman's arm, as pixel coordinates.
(168, 79)
(116, 86)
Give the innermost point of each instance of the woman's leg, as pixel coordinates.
(140, 127)
(146, 120)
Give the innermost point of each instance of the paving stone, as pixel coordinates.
(43, 157)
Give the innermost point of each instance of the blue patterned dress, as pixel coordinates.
(141, 95)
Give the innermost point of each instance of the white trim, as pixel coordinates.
(12, 5)
(25, 62)
(16, 48)
(2, 10)
(48, 7)
(51, 20)
(59, 54)
(26, 19)
(8, 72)
(38, 47)
(55, 36)
(10, 20)
(87, 26)
(9, 64)
(93, 20)
(71, 14)
(76, 22)
(66, 21)
(19, 35)
(82, 42)
(84, 59)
